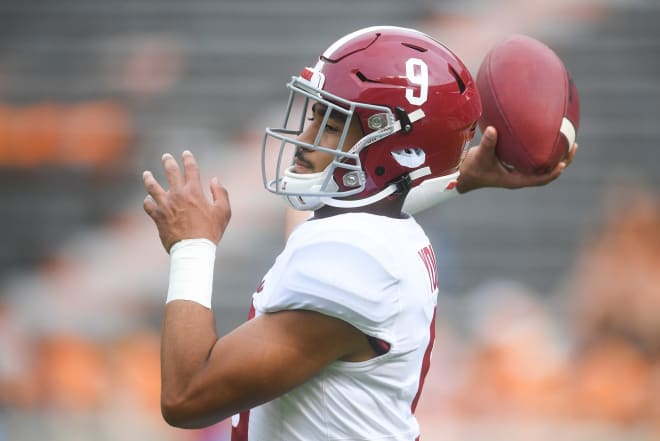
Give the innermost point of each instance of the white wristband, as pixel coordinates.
(191, 271)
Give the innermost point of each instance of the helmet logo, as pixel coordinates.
(410, 157)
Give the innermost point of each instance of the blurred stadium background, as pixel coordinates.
(550, 306)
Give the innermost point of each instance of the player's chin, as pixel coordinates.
(302, 169)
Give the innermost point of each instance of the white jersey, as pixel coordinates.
(378, 274)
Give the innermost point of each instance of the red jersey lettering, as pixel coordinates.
(428, 257)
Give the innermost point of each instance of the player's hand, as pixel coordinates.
(481, 168)
(184, 211)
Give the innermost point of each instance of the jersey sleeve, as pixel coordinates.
(338, 279)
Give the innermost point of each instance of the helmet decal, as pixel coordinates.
(411, 158)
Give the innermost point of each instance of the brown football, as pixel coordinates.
(531, 99)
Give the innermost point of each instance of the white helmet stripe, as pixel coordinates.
(339, 43)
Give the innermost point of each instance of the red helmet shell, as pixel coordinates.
(404, 68)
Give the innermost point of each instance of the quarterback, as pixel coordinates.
(341, 327)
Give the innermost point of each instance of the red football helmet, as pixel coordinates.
(417, 105)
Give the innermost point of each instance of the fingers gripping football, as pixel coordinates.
(184, 211)
(482, 168)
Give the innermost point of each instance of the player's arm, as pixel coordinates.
(481, 168)
(206, 379)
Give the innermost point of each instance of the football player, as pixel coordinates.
(341, 327)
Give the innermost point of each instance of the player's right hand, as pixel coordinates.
(481, 168)
(184, 211)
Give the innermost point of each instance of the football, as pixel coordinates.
(531, 99)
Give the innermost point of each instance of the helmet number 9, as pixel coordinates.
(417, 73)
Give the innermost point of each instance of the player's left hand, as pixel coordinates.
(481, 168)
(184, 211)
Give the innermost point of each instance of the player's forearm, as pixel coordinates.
(188, 336)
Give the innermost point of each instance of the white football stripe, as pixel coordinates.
(568, 130)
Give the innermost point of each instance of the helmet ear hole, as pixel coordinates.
(380, 170)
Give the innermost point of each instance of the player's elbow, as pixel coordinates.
(173, 409)
(179, 411)
(187, 412)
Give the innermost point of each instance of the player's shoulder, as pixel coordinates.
(361, 230)
(339, 243)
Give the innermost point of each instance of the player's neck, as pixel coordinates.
(386, 207)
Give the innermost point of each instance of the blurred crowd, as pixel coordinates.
(589, 355)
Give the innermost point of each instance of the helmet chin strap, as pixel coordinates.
(303, 203)
(387, 191)
(347, 203)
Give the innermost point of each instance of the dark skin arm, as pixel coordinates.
(481, 168)
(205, 378)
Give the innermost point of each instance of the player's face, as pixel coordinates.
(314, 161)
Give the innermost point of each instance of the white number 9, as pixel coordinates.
(417, 73)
